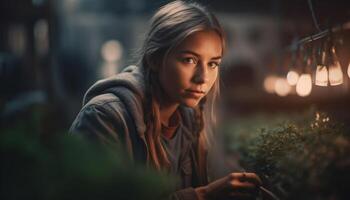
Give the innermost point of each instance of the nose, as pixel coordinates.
(201, 74)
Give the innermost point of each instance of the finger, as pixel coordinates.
(246, 177)
(236, 175)
(238, 186)
(253, 178)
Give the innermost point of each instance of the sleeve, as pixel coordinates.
(96, 122)
(99, 122)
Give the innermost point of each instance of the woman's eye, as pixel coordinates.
(189, 60)
(213, 64)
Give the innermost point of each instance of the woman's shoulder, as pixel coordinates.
(104, 101)
(109, 105)
(104, 116)
(100, 108)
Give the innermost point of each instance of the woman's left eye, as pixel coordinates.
(213, 64)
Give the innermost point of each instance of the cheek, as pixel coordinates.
(212, 78)
(170, 79)
(176, 77)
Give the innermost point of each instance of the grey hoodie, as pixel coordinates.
(113, 113)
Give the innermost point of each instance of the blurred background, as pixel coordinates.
(52, 51)
(286, 62)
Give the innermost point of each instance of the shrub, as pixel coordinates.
(300, 160)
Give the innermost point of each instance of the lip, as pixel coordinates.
(195, 93)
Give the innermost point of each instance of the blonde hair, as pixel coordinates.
(170, 25)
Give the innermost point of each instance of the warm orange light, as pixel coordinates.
(292, 77)
(321, 76)
(282, 88)
(112, 51)
(335, 74)
(269, 83)
(349, 70)
(304, 85)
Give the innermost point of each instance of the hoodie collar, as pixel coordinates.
(129, 87)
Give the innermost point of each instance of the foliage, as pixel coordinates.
(67, 167)
(300, 160)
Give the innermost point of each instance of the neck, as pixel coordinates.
(166, 111)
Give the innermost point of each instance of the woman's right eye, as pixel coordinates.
(188, 60)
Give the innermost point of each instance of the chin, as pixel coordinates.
(192, 103)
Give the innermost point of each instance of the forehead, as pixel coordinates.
(204, 43)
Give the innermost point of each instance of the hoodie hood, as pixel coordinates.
(129, 87)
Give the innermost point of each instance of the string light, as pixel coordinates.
(321, 77)
(292, 77)
(282, 88)
(304, 85)
(335, 71)
(328, 69)
(269, 83)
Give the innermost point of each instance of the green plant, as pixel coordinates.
(308, 160)
(64, 166)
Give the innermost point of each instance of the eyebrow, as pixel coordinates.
(196, 54)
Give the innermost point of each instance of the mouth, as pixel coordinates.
(195, 93)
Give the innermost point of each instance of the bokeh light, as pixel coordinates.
(269, 83)
(321, 78)
(112, 51)
(292, 77)
(282, 88)
(304, 85)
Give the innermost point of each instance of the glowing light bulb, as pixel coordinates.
(112, 51)
(304, 85)
(292, 77)
(335, 73)
(321, 76)
(282, 88)
(269, 83)
(349, 70)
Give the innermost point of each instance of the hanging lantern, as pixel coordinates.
(335, 72)
(282, 88)
(321, 77)
(292, 77)
(304, 85)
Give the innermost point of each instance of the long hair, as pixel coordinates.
(170, 25)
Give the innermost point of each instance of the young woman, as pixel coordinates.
(161, 112)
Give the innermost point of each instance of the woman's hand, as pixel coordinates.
(233, 186)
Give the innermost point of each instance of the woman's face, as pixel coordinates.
(191, 69)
